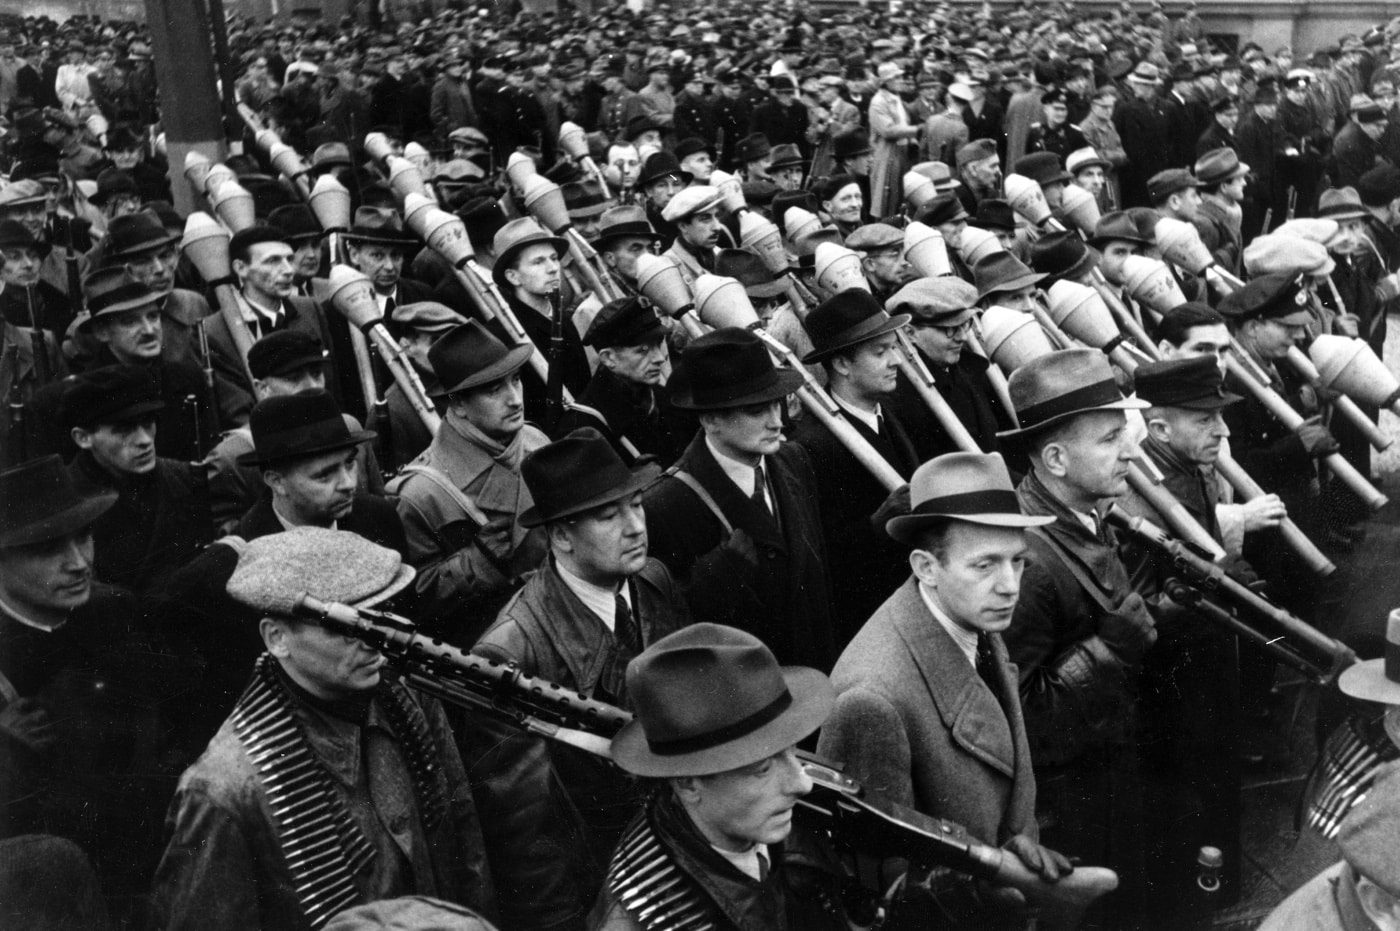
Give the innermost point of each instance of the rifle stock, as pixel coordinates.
(847, 809)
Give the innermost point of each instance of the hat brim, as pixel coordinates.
(769, 289)
(1015, 284)
(950, 319)
(381, 238)
(685, 176)
(1367, 681)
(1091, 163)
(498, 270)
(904, 529)
(82, 513)
(513, 361)
(896, 322)
(355, 438)
(786, 383)
(1126, 404)
(813, 697)
(642, 478)
(401, 580)
(788, 163)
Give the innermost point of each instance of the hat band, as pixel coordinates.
(994, 501)
(123, 293)
(710, 739)
(1392, 661)
(1093, 395)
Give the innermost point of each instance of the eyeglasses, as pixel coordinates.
(950, 332)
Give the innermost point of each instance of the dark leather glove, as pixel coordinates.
(740, 548)
(1128, 630)
(895, 505)
(1315, 438)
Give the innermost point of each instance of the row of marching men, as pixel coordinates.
(800, 407)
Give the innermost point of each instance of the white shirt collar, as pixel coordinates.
(964, 638)
(601, 601)
(253, 312)
(739, 474)
(10, 610)
(288, 525)
(747, 861)
(870, 418)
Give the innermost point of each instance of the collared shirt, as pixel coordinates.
(964, 638)
(601, 601)
(10, 610)
(739, 473)
(255, 315)
(1088, 520)
(288, 525)
(747, 861)
(870, 418)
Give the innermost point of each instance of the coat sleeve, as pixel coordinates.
(207, 878)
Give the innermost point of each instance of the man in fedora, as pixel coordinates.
(372, 765)
(126, 326)
(784, 120)
(1223, 178)
(460, 501)
(947, 214)
(752, 155)
(298, 224)
(1117, 236)
(881, 249)
(27, 298)
(1357, 149)
(695, 213)
(85, 677)
(736, 519)
(1002, 280)
(598, 601)
(625, 234)
(309, 460)
(697, 156)
(376, 245)
(928, 712)
(661, 180)
(1046, 169)
(1141, 121)
(161, 518)
(139, 243)
(729, 781)
(626, 399)
(788, 167)
(26, 201)
(854, 340)
(941, 312)
(261, 259)
(1079, 632)
(529, 273)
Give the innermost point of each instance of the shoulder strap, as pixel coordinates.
(589, 411)
(1085, 580)
(452, 491)
(705, 497)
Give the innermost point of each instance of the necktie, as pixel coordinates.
(625, 626)
(762, 866)
(986, 664)
(760, 489)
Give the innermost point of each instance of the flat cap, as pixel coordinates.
(1166, 183)
(1277, 254)
(1280, 298)
(944, 301)
(22, 192)
(690, 201)
(624, 322)
(945, 208)
(873, 237)
(426, 317)
(332, 565)
(1195, 384)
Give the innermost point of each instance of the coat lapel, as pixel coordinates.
(972, 714)
(740, 510)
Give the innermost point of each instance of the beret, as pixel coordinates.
(283, 352)
(1272, 297)
(1276, 254)
(111, 394)
(1166, 183)
(942, 301)
(332, 565)
(874, 236)
(690, 201)
(426, 316)
(834, 185)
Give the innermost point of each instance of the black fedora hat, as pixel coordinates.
(730, 367)
(710, 699)
(847, 319)
(468, 356)
(624, 222)
(132, 234)
(1063, 254)
(15, 235)
(39, 502)
(660, 165)
(752, 148)
(379, 225)
(851, 144)
(693, 146)
(577, 473)
(294, 425)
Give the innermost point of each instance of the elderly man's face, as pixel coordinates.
(845, 206)
(985, 172)
(1091, 179)
(382, 263)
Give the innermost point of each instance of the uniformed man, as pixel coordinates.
(1055, 133)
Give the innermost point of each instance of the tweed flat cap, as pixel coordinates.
(1274, 254)
(873, 237)
(332, 565)
(691, 201)
(976, 151)
(945, 301)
